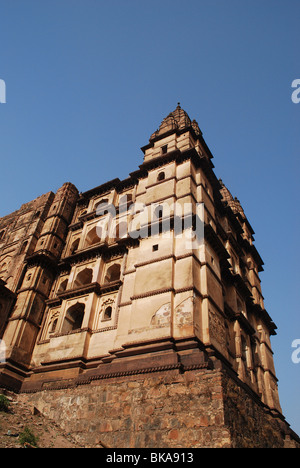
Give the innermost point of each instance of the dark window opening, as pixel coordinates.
(94, 236)
(108, 313)
(83, 278)
(158, 212)
(113, 273)
(102, 207)
(74, 246)
(74, 318)
(63, 286)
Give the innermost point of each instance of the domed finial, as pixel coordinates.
(178, 104)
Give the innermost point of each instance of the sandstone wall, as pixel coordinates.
(197, 409)
(156, 410)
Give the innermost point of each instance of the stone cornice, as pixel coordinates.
(100, 250)
(87, 289)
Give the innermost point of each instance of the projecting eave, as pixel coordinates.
(245, 220)
(98, 190)
(257, 257)
(263, 314)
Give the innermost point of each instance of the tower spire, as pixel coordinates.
(176, 120)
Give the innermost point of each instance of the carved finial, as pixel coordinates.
(178, 104)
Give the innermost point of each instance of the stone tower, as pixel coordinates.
(33, 239)
(139, 316)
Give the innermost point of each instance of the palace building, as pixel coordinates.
(133, 313)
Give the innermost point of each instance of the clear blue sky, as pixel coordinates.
(88, 81)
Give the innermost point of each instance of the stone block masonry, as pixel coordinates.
(200, 408)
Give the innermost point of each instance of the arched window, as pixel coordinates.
(63, 286)
(74, 246)
(101, 207)
(113, 273)
(161, 176)
(93, 236)
(74, 318)
(2, 233)
(83, 278)
(107, 313)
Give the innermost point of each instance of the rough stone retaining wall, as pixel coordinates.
(200, 408)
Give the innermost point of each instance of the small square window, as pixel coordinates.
(155, 247)
(164, 149)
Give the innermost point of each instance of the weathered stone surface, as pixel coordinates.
(209, 410)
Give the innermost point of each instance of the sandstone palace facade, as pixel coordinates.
(133, 313)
